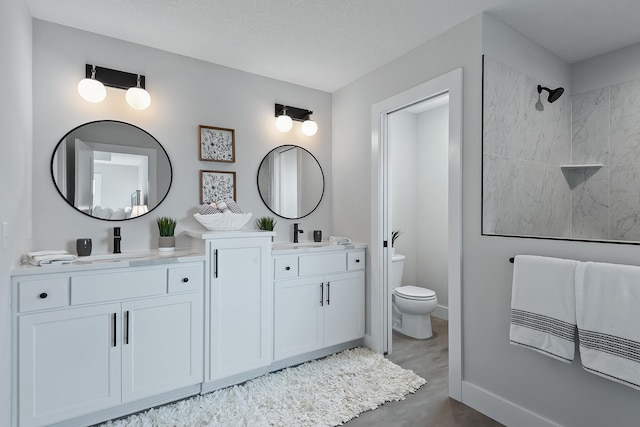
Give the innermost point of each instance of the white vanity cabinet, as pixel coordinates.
(87, 341)
(239, 316)
(318, 301)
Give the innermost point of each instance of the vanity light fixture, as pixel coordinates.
(309, 127)
(284, 123)
(90, 89)
(137, 97)
(286, 115)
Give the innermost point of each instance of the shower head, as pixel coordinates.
(554, 94)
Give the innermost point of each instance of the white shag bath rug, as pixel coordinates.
(326, 392)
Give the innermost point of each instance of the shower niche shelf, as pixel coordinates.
(585, 166)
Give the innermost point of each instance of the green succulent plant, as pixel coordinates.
(266, 223)
(167, 226)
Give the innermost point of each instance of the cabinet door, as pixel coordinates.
(343, 308)
(161, 344)
(298, 317)
(69, 363)
(240, 315)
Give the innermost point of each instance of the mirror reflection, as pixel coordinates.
(290, 181)
(111, 170)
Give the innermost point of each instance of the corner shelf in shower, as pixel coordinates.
(591, 165)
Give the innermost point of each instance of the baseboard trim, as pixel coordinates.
(501, 410)
(441, 312)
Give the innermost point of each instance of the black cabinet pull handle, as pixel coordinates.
(185, 279)
(321, 294)
(215, 264)
(357, 260)
(328, 293)
(126, 330)
(115, 331)
(43, 295)
(287, 268)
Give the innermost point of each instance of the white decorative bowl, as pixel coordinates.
(225, 221)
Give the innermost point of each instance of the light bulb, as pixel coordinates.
(92, 90)
(138, 98)
(284, 123)
(309, 127)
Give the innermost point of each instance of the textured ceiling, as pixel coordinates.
(327, 44)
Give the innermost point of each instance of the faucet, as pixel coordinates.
(116, 240)
(296, 230)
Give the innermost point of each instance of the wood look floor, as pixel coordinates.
(430, 406)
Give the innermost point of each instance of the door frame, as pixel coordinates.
(380, 296)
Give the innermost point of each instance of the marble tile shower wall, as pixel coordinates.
(606, 130)
(525, 192)
(524, 189)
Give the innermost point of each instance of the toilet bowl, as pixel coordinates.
(412, 305)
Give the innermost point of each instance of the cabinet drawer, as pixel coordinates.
(285, 268)
(115, 286)
(321, 264)
(41, 294)
(185, 279)
(355, 261)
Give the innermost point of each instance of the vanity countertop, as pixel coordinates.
(112, 261)
(283, 248)
(204, 235)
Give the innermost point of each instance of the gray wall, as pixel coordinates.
(403, 184)
(432, 196)
(185, 93)
(419, 196)
(507, 378)
(15, 167)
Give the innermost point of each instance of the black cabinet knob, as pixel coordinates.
(287, 268)
(185, 280)
(357, 260)
(43, 295)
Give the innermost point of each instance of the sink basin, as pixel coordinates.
(307, 246)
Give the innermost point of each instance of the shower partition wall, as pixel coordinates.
(569, 171)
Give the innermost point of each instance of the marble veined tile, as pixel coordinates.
(625, 202)
(590, 203)
(557, 130)
(490, 193)
(625, 122)
(535, 148)
(590, 127)
(502, 109)
(501, 195)
(546, 201)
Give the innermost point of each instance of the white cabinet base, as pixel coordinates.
(130, 408)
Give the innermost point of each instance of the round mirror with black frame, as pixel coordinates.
(111, 170)
(290, 181)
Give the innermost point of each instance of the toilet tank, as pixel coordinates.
(397, 268)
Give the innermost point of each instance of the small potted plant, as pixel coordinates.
(394, 235)
(167, 227)
(266, 223)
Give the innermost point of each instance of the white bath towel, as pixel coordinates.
(42, 258)
(608, 316)
(543, 315)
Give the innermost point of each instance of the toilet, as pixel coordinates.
(412, 305)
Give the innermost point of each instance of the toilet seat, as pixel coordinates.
(415, 293)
